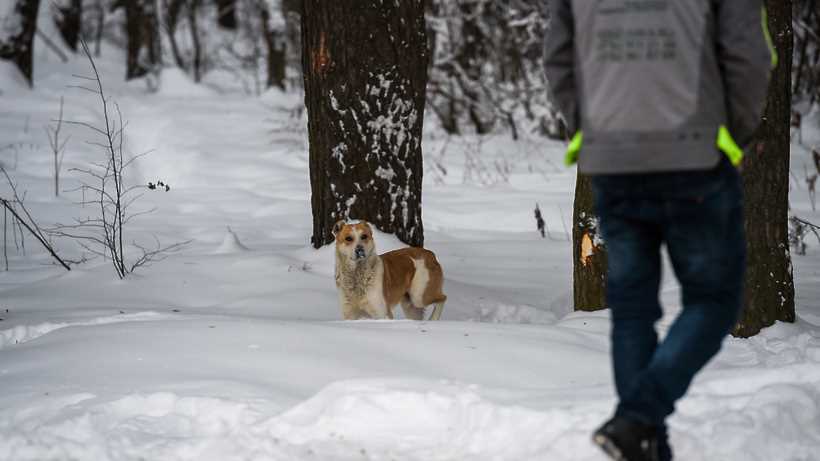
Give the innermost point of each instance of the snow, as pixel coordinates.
(24, 333)
(230, 244)
(276, 21)
(174, 82)
(10, 20)
(233, 347)
(11, 80)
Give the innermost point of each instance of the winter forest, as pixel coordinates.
(181, 179)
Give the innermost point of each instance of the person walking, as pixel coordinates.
(662, 96)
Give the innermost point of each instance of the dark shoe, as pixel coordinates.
(626, 440)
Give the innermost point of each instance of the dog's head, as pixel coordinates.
(354, 241)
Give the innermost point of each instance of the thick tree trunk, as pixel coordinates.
(17, 35)
(143, 54)
(275, 41)
(68, 16)
(365, 66)
(588, 251)
(769, 292)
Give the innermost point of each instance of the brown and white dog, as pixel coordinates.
(371, 285)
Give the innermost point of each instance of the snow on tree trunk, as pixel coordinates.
(365, 66)
(68, 18)
(589, 258)
(769, 291)
(18, 23)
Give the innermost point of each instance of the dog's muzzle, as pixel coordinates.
(359, 253)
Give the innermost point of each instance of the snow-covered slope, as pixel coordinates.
(232, 348)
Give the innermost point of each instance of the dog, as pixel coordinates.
(371, 285)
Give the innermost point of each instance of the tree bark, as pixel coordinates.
(769, 290)
(144, 52)
(98, 32)
(17, 45)
(196, 63)
(471, 55)
(68, 18)
(365, 70)
(589, 257)
(226, 14)
(800, 68)
(292, 9)
(275, 41)
(172, 11)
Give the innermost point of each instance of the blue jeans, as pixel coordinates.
(699, 216)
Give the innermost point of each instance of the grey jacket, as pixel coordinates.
(653, 85)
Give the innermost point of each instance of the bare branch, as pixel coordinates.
(30, 226)
(157, 254)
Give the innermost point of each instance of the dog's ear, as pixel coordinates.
(367, 225)
(338, 226)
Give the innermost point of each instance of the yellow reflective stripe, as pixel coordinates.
(726, 143)
(574, 148)
(769, 41)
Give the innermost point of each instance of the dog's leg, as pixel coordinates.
(355, 314)
(353, 311)
(377, 310)
(349, 312)
(410, 311)
(436, 315)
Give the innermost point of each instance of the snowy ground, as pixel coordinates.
(235, 351)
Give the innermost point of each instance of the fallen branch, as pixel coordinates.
(33, 232)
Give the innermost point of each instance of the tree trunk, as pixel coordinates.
(196, 63)
(17, 35)
(226, 14)
(98, 32)
(471, 56)
(173, 9)
(589, 259)
(801, 64)
(769, 290)
(275, 41)
(365, 66)
(68, 16)
(292, 10)
(143, 54)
